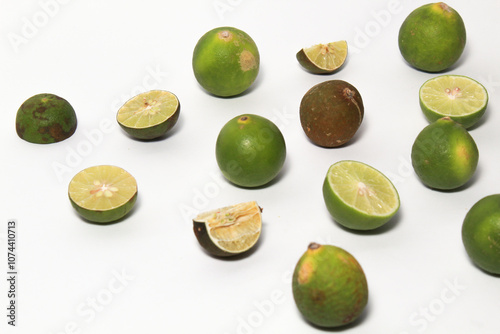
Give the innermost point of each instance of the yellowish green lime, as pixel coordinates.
(149, 115)
(358, 196)
(323, 58)
(103, 194)
(229, 230)
(461, 98)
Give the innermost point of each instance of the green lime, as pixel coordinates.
(461, 98)
(250, 150)
(226, 61)
(149, 115)
(358, 196)
(103, 194)
(229, 230)
(444, 155)
(432, 38)
(323, 58)
(329, 286)
(45, 119)
(481, 233)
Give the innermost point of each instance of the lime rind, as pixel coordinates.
(358, 196)
(459, 97)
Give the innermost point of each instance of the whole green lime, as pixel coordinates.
(329, 286)
(45, 119)
(250, 150)
(226, 61)
(444, 155)
(481, 233)
(432, 38)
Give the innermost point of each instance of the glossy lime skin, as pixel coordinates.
(226, 61)
(45, 119)
(250, 150)
(481, 233)
(432, 38)
(329, 286)
(444, 155)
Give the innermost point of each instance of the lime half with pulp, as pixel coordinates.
(459, 97)
(103, 194)
(149, 115)
(358, 196)
(323, 58)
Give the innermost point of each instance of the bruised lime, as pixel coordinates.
(432, 38)
(103, 194)
(329, 286)
(229, 230)
(331, 113)
(250, 150)
(481, 233)
(444, 155)
(45, 119)
(226, 61)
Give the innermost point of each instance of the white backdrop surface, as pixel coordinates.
(147, 273)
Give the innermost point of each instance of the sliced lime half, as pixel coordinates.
(149, 115)
(358, 196)
(459, 97)
(323, 58)
(103, 194)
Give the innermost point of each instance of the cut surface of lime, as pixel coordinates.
(323, 58)
(230, 230)
(358, 196)
(103, 193)
(459, 97)
(149, 115)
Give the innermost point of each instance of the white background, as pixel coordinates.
(97, 54)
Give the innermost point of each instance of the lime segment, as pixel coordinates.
(461, 98)
(103, 193)
(359, 196)
(323, 58)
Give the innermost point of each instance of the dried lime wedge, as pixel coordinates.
(149, 115)
(103, 194)
(459, 97)
(230, 230)
(358, 196)
(323, 58)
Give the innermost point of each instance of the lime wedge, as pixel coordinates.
(358, 196)
(149, 115)
(323, 58)
(103, 193)
(230, 230)
(459, 97)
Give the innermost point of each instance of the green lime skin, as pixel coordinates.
(105, 216)
(481, 233)
(432, 38)
(444, 155)
(250, 150)
(226, 61)
(329, 286)
(45, 119)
